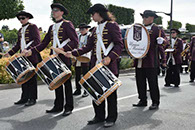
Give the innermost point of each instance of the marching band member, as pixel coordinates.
(107, 36)
(147, 67)
(192, 58)
(81, 67)
(62, 34)
(185, 55)
(28, 37)
(174, 60)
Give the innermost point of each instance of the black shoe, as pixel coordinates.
(77, 92)
(108, 124)
(153, 107)
(21, 101)
(30, 102)
(191, 81)
(94, 121)
(85, 94)
(167, 85)
(66, 113)
(177, 86)
(54, 110)
(140, 104)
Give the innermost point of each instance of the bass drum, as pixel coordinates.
(137, 41)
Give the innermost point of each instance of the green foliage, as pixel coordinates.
(158, 20)
(126, 63)
(190, 27)
(9, 8)
(176, 24)
(77, 10)
(123, 15)
(9, 35)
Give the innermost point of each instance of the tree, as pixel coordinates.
(190, 27)
(123, 15)
(10, 35)
(176, 24)
(9, 8)
(77, 10)
(158, 20)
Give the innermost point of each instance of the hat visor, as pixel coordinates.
(85, 27)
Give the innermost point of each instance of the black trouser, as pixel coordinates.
(184, 62)
(173, 75)
(59, 93)
(150, 74)
(78, 71)
(112, 108)
(192, 70)
(29, 89)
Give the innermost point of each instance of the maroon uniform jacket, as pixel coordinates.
(31, 34)
(178, 46)
(66, 31)
(192, 49)
(111, 33)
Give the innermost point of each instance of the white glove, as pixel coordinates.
(160, 40)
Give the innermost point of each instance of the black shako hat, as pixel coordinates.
(184, 38)
(23, 13)
(148, 13)
(59, 6)
(97, 8)
(84, 25)
(176, 30)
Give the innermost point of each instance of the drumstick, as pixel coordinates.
(60, 51)
(2, 54)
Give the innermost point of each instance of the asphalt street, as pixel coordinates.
(176, 111)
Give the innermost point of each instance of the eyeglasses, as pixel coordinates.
(55, 10)
(173, 32)
(21, 18)
(145, 16)
(81, 29)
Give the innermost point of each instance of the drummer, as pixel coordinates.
(68, 40)
(28, 37)
(110, 36)
(81, 67)
(192, 59)
(147, 67)
(174, 60)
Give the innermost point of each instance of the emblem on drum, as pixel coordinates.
(137, 41)
(137, 33)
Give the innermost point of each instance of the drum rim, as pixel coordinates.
(87, 75)
(108, 93)
(12, 59)
(39, 65)
(22, 74)
(59, 77)
(126, 46)
(86, 61)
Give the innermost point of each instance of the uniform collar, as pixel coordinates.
(148, 24)
(25, 24)
(84, 34)
(59, 20)
(102, 22)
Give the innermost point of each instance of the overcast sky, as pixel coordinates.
(183, 11)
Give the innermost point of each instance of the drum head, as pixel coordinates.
(137, 41)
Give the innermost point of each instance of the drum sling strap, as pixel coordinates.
(100, 45)
(23, 42)
(56, 41)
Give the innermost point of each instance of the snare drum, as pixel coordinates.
(100, 82)
(20, 69)
(53, 72)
